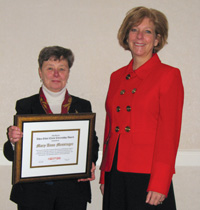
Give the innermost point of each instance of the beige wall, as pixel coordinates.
(89, 28)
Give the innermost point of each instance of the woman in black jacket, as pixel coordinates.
(53, 98)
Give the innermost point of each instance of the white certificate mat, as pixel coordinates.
(53, 147)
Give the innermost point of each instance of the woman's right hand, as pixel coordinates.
(14, 134)
(102, 188)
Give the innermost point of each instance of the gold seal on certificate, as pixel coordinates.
(53, 147)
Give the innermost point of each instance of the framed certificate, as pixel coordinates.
(53, 147)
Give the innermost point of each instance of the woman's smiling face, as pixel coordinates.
(142, 39)
(54, 74)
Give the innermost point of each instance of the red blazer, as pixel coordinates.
(144, 111)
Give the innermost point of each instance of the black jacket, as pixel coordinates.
(32, 194)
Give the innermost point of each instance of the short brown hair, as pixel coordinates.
(56, 52)
(135, 16)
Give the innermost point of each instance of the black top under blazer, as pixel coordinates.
(30, 194)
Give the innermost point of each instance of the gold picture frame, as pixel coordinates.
(53, 147)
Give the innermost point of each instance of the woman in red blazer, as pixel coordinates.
(143, 121)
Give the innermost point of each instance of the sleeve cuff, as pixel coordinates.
(102, 178)
(161, 178)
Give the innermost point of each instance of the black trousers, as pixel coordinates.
(128, 191)
(69, 205)
(57, 196)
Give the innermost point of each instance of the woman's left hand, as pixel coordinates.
(92, 175)
(155, 198)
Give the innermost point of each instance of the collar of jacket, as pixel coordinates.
(143, 71)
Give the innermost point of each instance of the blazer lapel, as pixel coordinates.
(37, 108)
(72, 108)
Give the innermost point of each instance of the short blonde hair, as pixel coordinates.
(135, 16)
